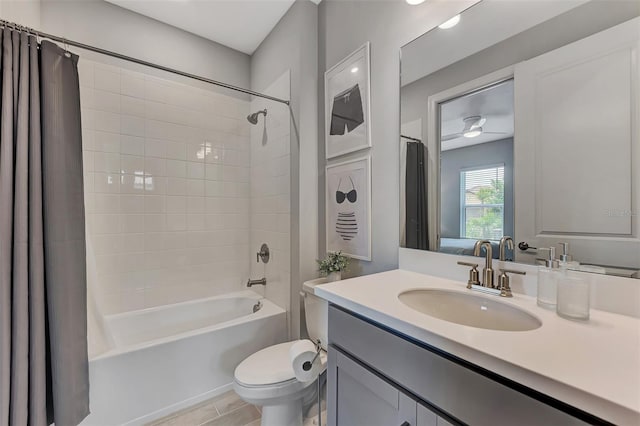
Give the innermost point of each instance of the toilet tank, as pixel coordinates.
(316, 312)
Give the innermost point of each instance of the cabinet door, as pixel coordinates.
(358, 397)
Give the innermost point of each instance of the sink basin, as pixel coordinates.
(469, 309)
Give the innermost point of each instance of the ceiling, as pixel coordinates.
(239, 24)
(494, 103)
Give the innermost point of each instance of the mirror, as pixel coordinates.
(523, 120)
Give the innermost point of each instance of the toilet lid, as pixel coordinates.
(267, 366)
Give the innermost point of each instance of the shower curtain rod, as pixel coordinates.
(68, 42)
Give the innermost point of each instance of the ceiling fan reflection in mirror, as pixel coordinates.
(472, 128)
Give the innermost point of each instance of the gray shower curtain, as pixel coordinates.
(416, 232)
(43, 328)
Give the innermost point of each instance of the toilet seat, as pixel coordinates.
(267, 375)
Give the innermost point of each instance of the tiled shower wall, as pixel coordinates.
(270, 192)
(167, 188)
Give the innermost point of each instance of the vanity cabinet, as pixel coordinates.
(365, 398)
(377, 377)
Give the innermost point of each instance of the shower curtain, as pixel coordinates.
(43, 319)
(417, 233)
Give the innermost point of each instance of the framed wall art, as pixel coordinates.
(347, 104)
(348, 214)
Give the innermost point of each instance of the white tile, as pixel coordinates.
(176, 204)
(107, 162)
(195, 222)
(155, 166)
(195, 204)
(107, 183)
(155, 185)
(176, 240)
(213, 172)
(132, 125)
(176, 150)
(105, 224)
(132, 223)
(85, 73)
(154, 223)
(132, 145)
(107, 203)
(176, 186)
(131, 204)
(106, 244)
(155, 148)
(176, 168)
(87, 97)
(132, 85)
(132, 164)
(106, 101)
(106, 79)
(87, 161)
(107, 121)
(132, 106)
(154, 204)
(154, 241)
(88, 139)
(132, 184)
(88, 118)
(155, 91)
(176, 222)
(195, 170)
(132, 243)
(214, 188)
(106, 141)
(195, 187)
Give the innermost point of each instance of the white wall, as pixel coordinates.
(293, 46)
(344, 25)
(166, 188)
(24, 12)
(102, 24)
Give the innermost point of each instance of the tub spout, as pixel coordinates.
(261, 281)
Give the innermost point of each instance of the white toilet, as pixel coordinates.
(266, 378)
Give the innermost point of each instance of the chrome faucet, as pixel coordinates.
(261, 281)
(487, 272)
(505, 241)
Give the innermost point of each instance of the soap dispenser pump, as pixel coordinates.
(548, 281)
(566, 260)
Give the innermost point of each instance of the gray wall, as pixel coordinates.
(344, 25)
(102, 24)
(453, 161)
(292, 45)
(571, 26)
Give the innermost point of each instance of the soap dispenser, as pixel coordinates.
(548, 275)
(566, 260)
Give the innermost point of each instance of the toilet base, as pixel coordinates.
(286, 414)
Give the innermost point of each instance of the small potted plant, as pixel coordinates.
(333, 265)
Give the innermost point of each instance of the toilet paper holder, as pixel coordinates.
(308, 364)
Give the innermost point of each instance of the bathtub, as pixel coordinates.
(167, 358)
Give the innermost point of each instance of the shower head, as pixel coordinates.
(253, 118)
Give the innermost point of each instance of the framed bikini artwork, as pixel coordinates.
(347, 104)
(348, 210)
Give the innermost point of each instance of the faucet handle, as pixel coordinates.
(503, 281)
(474, 275)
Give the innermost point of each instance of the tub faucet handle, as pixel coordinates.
(263, 254)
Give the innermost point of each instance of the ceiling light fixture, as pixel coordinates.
(415, 2)
(450, 23)
(354, 70)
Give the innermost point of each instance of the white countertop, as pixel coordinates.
(593, 365)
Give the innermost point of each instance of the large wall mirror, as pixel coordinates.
(522, 119)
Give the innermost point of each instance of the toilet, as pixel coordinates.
(266, 378)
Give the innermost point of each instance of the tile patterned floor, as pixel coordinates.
(224, 410)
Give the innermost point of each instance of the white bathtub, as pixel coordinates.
(166, 358)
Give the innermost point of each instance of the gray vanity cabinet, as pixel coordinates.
(378, 377)
(365, 399)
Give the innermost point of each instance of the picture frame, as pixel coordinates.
(348, 207)
(347, 87)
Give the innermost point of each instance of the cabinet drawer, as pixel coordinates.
(459, 391)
